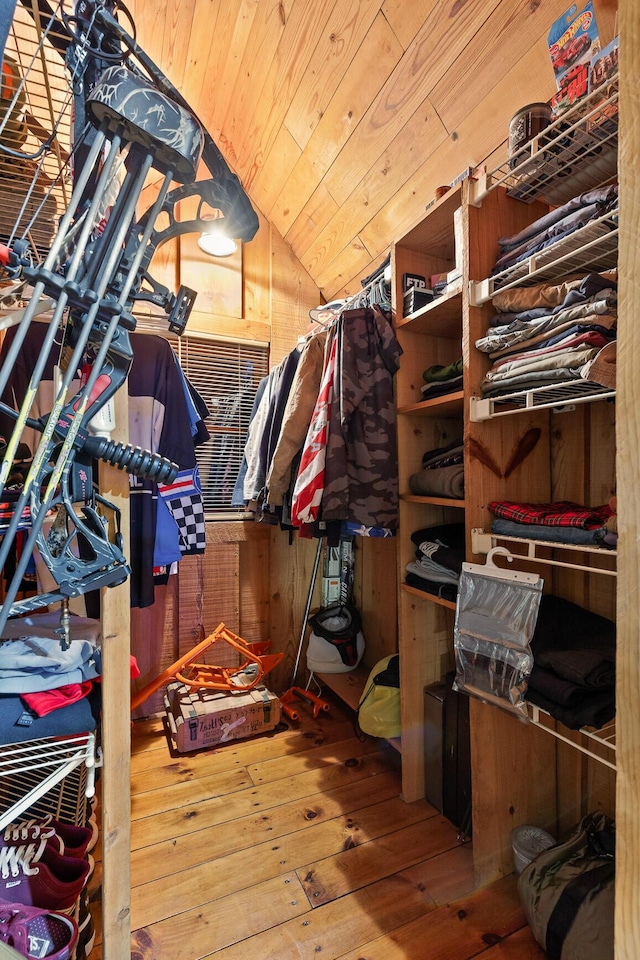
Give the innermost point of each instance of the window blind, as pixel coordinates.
(226, 374)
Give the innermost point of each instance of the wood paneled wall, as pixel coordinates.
(253, 577)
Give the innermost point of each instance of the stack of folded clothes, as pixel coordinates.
(573, 676)
(559, 522)
(553, 332)
(556, 226)
(440, 380)
(439, 557)
(442, 473)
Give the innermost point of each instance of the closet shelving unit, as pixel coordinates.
(576, 153)
(430, 335)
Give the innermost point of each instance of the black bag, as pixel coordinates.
(567, 893)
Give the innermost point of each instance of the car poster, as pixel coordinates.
(573, 40)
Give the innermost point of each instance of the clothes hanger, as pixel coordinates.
(491, 569)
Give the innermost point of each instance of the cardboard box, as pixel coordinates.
(208, 718)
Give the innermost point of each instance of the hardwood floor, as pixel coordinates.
(296, 845)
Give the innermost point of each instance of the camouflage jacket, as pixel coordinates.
(361, 474)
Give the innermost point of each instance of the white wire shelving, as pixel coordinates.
(593, 559)
(593, 247)
(560, 397)
(31, 769)
(599, 744)
(575, 153)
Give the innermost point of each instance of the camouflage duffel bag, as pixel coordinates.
(567, 893)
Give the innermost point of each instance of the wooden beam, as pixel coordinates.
(116, 736)
(627, 923)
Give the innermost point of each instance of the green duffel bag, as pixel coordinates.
(567, 893)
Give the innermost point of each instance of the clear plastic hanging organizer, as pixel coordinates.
(496, 614)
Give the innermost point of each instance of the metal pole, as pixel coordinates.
(314, 574)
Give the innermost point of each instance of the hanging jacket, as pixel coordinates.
(361, 474)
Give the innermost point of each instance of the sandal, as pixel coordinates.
(37, 933)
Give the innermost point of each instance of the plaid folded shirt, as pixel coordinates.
(562, 513)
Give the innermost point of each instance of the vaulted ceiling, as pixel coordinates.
(341, 117)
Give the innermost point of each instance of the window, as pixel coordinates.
(226, 374)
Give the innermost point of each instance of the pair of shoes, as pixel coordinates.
(35, 875)
(37, 933)
(86, 929)
(65, 838)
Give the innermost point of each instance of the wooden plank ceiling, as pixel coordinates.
(342, 117)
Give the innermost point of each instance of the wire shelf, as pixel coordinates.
(599, 744)
(558, 396)
(35, 132)
(575, 153)
(593, 247)
(29, 770)
(523, 548)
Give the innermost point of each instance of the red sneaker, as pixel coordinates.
(66, 838)
(35, 875)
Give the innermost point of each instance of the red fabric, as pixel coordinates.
(46, 701)
(309, 486)
(134, 669)
(562, 513)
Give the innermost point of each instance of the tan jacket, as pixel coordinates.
(297, 416)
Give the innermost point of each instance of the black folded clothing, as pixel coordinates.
(596, 709)
(445, 591)
(447, 542)
(573, 675)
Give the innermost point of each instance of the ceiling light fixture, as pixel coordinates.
(215, 242)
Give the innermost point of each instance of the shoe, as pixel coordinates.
(86, 935)
(66, 838)
(37, 933)
(35, 875)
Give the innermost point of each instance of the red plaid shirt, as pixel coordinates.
(562, 513)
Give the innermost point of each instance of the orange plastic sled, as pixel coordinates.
(256, 663)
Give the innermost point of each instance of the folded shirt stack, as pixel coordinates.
(561, 521)
(553, 332)
(573, 675)
(46, 690)
(442, 473)
(556, 226)
(440, 380)
(440, 552)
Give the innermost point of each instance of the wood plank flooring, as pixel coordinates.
(296, 845)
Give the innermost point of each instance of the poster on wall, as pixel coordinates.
(573, 41)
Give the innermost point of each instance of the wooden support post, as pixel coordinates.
(116, 729)
(627, 924)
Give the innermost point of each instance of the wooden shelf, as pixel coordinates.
(434, 501)
(434, 230)
(424, 595)
(349, 687)
(449, 405)
(440, 318)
